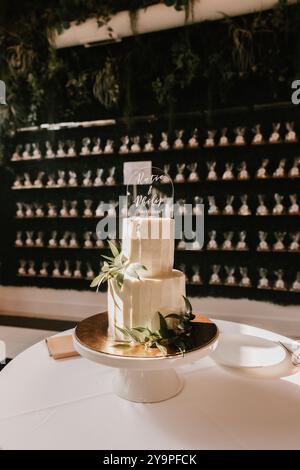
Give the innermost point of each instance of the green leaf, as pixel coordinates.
(163, 326)
(162, 349)
(174, 315)
(96, 281)
(142, 329)
(113, 248)
(110, 258)
(128, 332)
(188, 307)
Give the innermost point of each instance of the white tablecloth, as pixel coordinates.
(69, 404)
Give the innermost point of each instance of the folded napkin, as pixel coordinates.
(60, 347)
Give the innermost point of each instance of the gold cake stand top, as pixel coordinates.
(92, 333)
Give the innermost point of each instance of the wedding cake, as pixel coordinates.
(153, 286)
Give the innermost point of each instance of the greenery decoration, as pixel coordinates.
(115, 267)
(184, 64)
(106, 88)
(177, 336)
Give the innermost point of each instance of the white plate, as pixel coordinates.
(237, 350)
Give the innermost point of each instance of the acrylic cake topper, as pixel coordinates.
(150, 193)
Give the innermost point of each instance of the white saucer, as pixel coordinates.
(238, 350)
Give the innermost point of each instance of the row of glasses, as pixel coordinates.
(56, 269)
(65, 179)
(67, 209)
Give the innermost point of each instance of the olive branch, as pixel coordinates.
(115, 267)
(178, 336)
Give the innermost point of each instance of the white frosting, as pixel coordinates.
(149, 241)
(138, 301)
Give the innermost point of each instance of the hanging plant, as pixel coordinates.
(106, 87)
(184, 69)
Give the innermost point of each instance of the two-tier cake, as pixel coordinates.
(158, 288)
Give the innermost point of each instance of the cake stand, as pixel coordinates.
(142, 376)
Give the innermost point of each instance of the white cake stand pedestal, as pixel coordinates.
(140, 376)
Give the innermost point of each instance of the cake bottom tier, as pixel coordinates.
(138, 301)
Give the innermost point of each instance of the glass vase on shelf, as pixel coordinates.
(64, 240)
(109, 146)
(164, 144)
(228, 209)
(51, 183)
(215, 277)
(22, 269)
(52, 242)
(96, 150)
(56, 269)
(36, 154)
(31, 268)
(227, 243)
(278, 208)
(27, 180)
(77, 271)
(20, 210)
(212, 206)
(245, 279)
(243, 173)
(43, 272)
(124, 145)
(196, 278)
(212, 243)
(212, 175)
(244, 208)
(73, 243)
(73, 209)
(275, 135)
(18, 183)
(294, 245)
(263, 245)
(148, 147)
(240, 136)
(223, 139)
(64, 211)
(279, 284)
(39, 241)
(193, 176)
(29, 212)
(230, 280)
(110, 180)
(67, 269)
(296, 284)
(290, 136)
(89, 272)
(26, 155)
(85, 148)
(88, 212)
(228, 173)
(178, 143)
(294, 207)
(72, 180)
(210, 139)
(193, 140)
(98, 180)
(49, 150)
(61, 181)
(279, 244)
(258, 137)
(135, 147)
(263, 282)
(71, 152)
(180, 178)
(262, 170)
(87, 179)
(16, 156)
(261, 209)
(38, 182)
(52, 212)
(19, 239)
(88, 243)
(60, 153)
(242, 244)
(294, 170)
(280, 170)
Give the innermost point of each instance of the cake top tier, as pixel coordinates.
(149, 241)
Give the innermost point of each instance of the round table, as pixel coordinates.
(69, 404)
